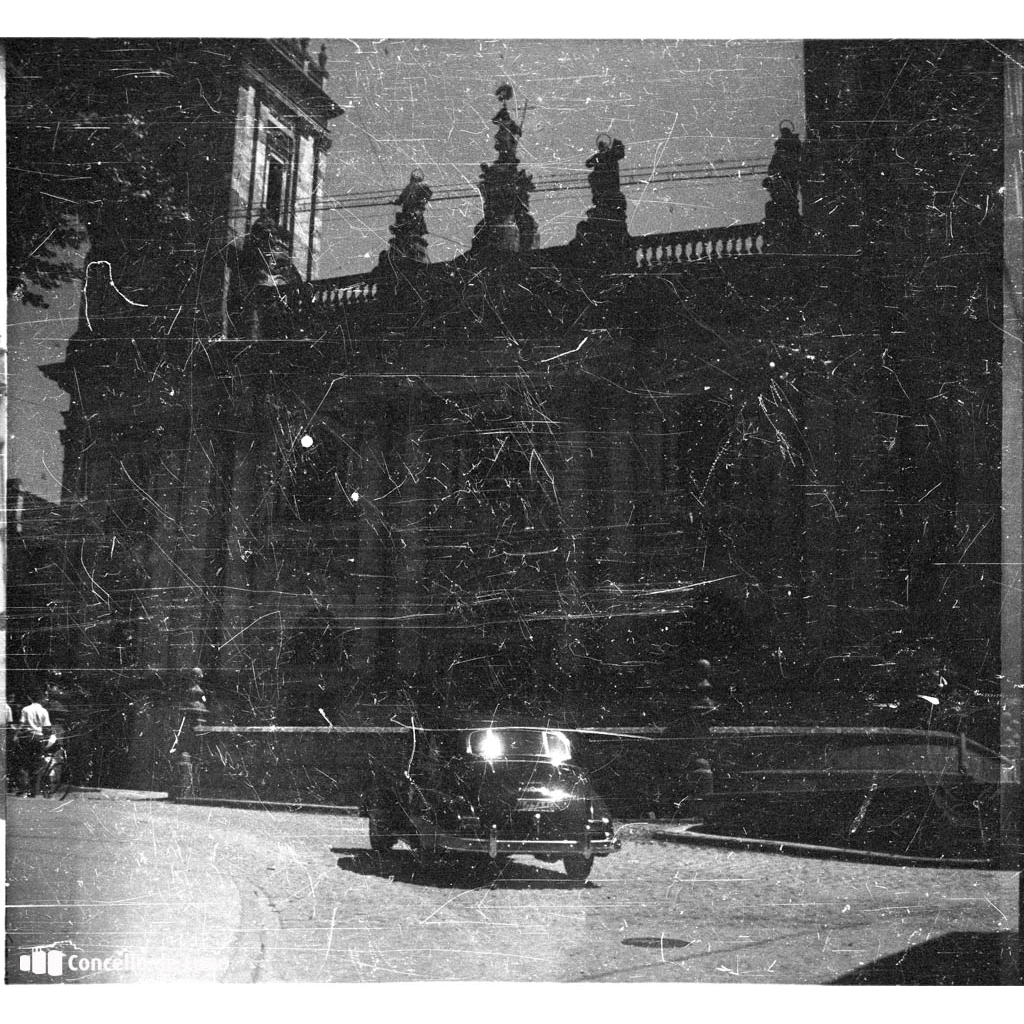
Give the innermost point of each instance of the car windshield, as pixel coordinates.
(497, 743)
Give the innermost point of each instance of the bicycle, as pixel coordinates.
(55, 779)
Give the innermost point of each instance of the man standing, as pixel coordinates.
(33, 729)
(7, 721)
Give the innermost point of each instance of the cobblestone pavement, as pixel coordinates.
(139, 889)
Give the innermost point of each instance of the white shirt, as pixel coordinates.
(36, 718)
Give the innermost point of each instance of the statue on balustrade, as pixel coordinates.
(782, 211)
(604, 178)
(267, 275)
(604, 232)
(267, 254)
(507, 224)
(506, 139)
(408, 233)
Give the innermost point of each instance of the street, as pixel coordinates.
(133, 888)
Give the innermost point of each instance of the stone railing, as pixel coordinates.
(678, 247)
(335, 292)
(648, 252)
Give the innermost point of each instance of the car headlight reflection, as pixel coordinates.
(544, 798)
(491, 746)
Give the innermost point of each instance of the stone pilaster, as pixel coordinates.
(410, 586)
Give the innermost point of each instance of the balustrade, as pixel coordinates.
(650, 252)
(334, 293)
(679, 247)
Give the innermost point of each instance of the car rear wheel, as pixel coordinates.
(381, 840)
(577, 866)
(426, 857)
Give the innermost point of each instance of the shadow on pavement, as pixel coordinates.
(958, 958)
(657, 942)
(457, 873)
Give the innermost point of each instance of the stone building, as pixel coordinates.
(33, 563)
(549, 479)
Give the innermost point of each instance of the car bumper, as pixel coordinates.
(494, 846)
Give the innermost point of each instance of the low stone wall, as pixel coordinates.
(316, 766)
(639, 772)
(332, 767)
(797, 759)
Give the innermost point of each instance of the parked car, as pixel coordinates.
(490, 793)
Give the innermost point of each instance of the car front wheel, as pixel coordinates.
(428, 858)
(577, 866)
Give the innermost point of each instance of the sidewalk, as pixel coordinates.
(151, 890)
(694, 833)
(123, 899)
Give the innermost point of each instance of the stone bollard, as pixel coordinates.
(700, 778)
(700, 781)
(184, 778)
(194, 713)
(703, 700)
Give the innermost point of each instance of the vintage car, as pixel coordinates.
(492, 792)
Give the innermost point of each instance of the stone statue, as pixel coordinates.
(408, 233)
(413, 200)
(604, 234)
(267, 276)
(604, 178)
(783, 181)
(267, 254)
(506, 139)
(508, 225)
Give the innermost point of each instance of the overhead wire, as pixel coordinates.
(356, 200)
(564, 188)
(575, 181)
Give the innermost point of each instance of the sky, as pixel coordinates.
(429, 104)
(35, 404)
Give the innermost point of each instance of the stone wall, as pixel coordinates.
(638, 774)
(314, 766)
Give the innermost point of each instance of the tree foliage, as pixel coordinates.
(95, 134)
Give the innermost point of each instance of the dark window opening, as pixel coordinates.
(276, 175)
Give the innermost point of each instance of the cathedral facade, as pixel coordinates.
(548, 480)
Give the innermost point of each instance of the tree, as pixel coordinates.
(97, 134)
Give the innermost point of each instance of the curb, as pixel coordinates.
(267, 805)
(680, 835)
(688, 834)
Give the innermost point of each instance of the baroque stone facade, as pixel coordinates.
(551, 479)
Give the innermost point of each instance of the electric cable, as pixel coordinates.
(690, 171)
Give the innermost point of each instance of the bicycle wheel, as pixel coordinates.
(56, 780)
(64, 784)
(49, 777)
